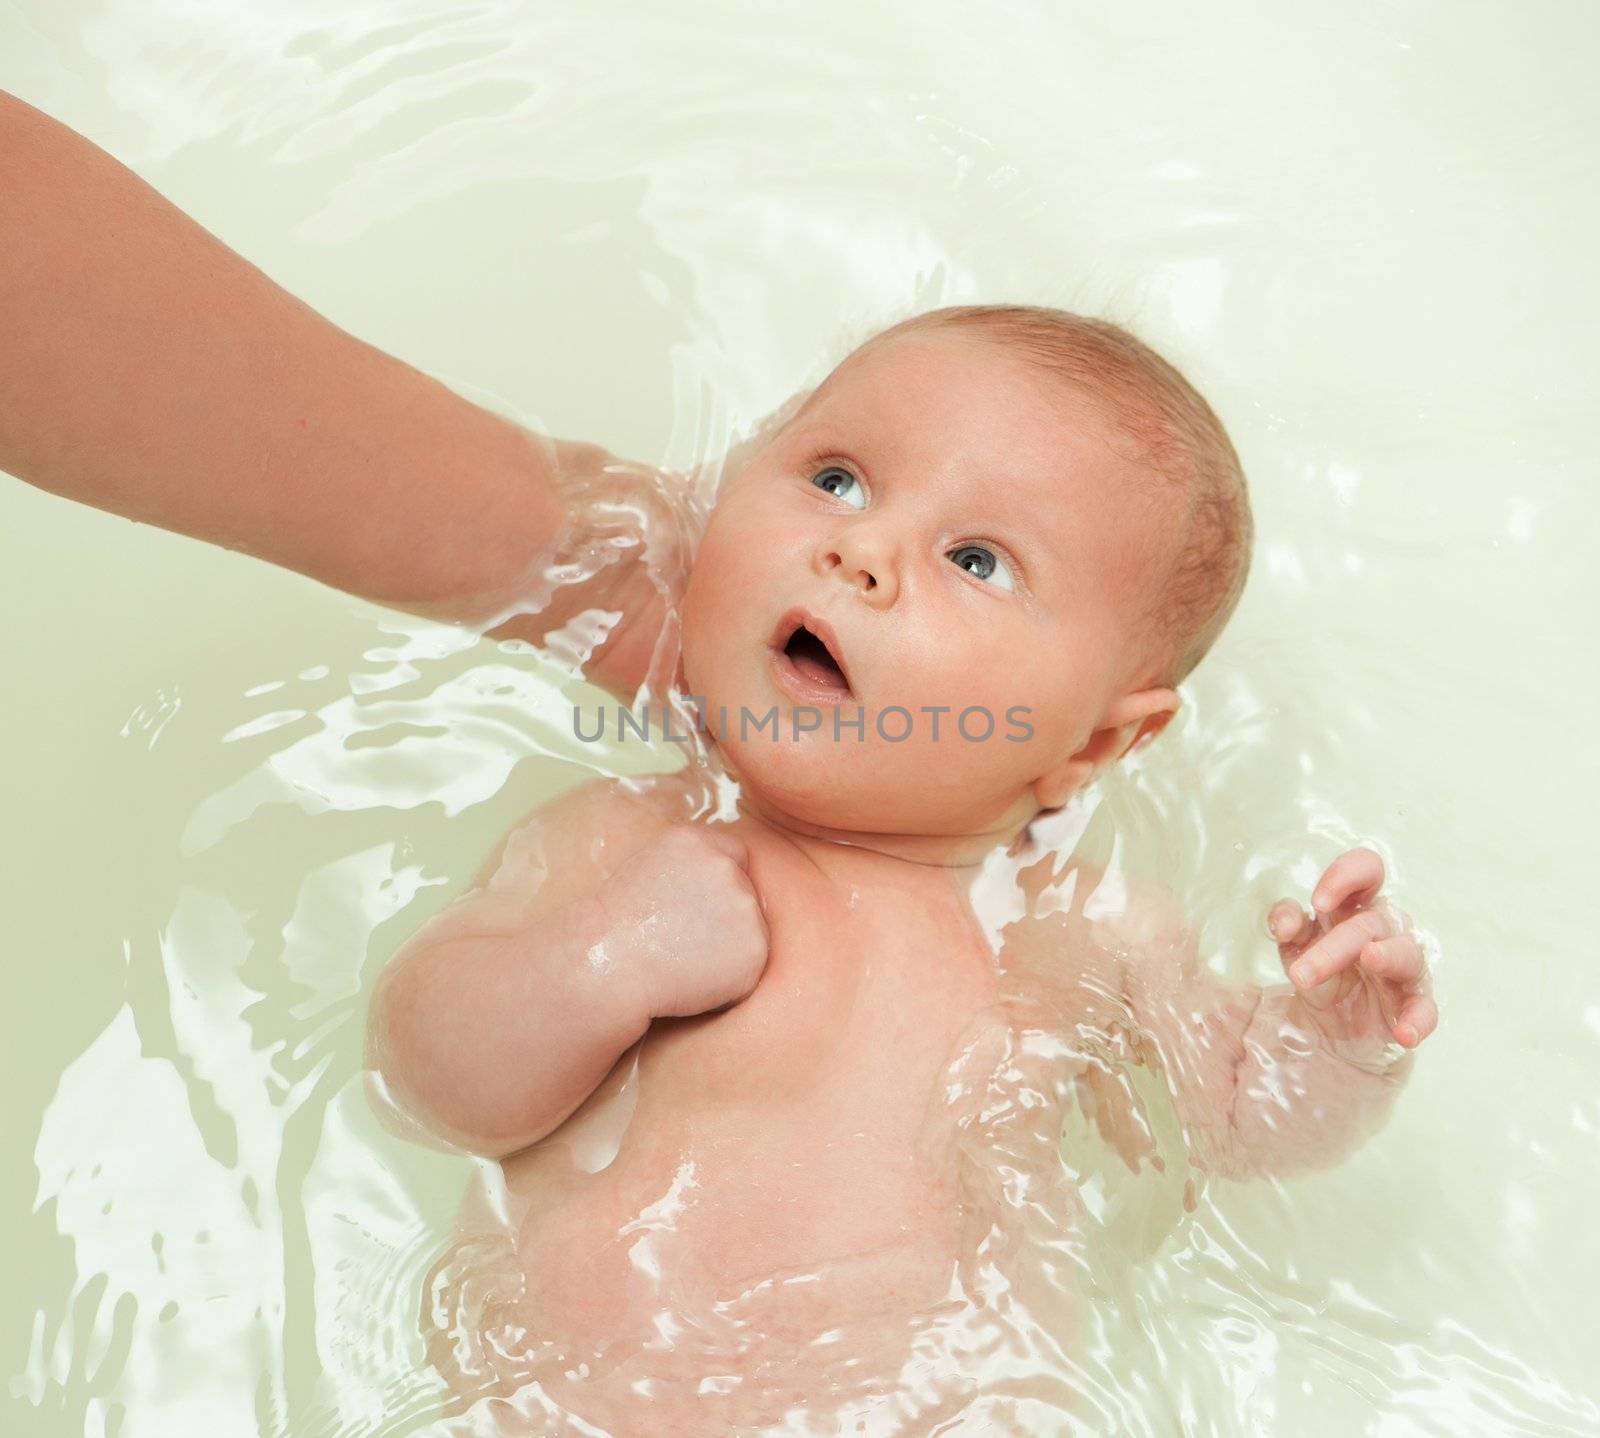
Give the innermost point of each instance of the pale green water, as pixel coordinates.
(229, 795)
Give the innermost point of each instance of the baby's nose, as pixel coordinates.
(864, 562)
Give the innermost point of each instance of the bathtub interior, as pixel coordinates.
(231, 794)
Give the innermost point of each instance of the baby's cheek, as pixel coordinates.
(701, 638)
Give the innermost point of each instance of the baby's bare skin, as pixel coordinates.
(751, 1192)
(787, 1167)
(799, 1131)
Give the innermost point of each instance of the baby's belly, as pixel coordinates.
(729, 1240)
(808, 1200)
(764, 1226)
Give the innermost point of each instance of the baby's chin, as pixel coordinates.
(812, 783)
(794, 785)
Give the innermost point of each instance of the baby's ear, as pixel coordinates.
(1150, 729)
(1143, 715)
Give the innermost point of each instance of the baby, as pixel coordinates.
(777, 1098)
(959, 581)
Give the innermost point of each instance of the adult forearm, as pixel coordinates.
(147, 369)
(493, 1039)
(1303, 1101)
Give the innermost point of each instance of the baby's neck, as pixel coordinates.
(956, 852)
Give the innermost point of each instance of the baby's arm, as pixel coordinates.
(1256, 1088)
(1262, 1083)
(502, 1015)
(147, 369)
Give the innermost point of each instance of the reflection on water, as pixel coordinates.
(1378, 288)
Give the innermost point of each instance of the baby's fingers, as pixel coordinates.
(1398, 959)
(1337, 949)
(1289, 924)
(1418, 1019)
(1355, 875)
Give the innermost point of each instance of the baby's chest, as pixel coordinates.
(802, 1123)
(865, 992)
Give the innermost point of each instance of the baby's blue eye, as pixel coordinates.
(983, 563)
(842, 483)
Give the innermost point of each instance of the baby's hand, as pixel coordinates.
(684, 922)
(1362, 975)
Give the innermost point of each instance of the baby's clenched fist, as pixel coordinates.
(684, 923)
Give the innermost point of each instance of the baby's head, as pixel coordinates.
(1009, 513)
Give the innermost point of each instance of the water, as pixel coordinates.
(230, 795)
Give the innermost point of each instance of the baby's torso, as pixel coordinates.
(798, 1140)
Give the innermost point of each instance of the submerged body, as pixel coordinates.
(801, 1131)
(756, 1194)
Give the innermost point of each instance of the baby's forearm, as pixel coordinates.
(1302, 1102)
(147, 369)
(493, 1038)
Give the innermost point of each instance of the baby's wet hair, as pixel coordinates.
(1181, 442)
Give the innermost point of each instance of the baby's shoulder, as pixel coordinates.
(590, 829)
(1105, 918)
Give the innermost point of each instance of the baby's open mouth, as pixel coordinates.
(811, 656)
